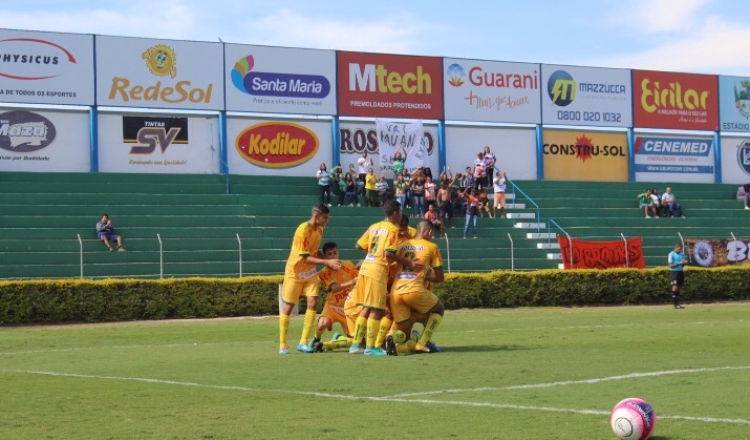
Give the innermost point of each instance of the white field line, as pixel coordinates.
(108, 347)
(570, 382)
(374, 399)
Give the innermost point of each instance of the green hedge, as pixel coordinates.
(23, 302)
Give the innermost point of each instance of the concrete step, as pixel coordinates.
(529, 225)
(515, 206)
(553, 256)
(541, 235)
(553, 245)
(520, 215)
(561, 266)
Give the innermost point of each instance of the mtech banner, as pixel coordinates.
(601, 254)
(677, 101)
(399, 86)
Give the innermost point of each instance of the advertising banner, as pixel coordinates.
(674, 159)
(735, 159)
(601, 254)
(586, 96)
(585, 155)
(715, 252)
(514, 149)
(489, 91)
(44, 141)
(355, 137)
(395, 86)
(138, 72)
(734, 103)
(278, 147)
(46, 68)
(679, 101)
(405, 139)
(160, 144)
(280, 80)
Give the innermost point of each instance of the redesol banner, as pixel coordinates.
(585, 155)
(601, 254)
(399, 86)
(678, 101)
(717, 252)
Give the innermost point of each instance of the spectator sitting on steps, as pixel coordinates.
(645, 202)
(106, 233)
(670, 202)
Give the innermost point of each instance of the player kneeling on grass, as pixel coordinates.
(338, 284)
(411, 291)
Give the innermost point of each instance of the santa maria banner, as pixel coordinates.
(601, 254)
(405, 138)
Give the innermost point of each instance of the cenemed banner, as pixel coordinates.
(585, 155)
(601, 254)
(734, 103)
(679, 101)
(398, 86)
(674, 159)
(280, 80)
(46, 68)
(489, 91)
(138, 72)
(586, 96)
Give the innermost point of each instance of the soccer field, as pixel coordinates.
(533, 373)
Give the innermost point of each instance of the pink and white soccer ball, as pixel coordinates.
(633, 419)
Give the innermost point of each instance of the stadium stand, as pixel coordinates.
(202, 228)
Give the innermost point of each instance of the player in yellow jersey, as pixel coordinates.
(301, 276)
(338, 284)
(380, 241)
(409, 292)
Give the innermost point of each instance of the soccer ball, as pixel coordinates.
(633, 419)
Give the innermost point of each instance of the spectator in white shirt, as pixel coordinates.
(669, 200)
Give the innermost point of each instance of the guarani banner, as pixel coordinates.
(717, 252)
(406, 138)
(601, 254)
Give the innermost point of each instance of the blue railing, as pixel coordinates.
(519, 190)
(551, 222)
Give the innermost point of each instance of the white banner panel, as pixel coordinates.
(358, 136)
(280, 80)
(586, 96)
(278, 147)
(158, 143)
(46, 68)
(403, 138)
(137, 72)
(44, 141)
(688, 159)
(514, 149)
(490, 91)
(735, 159)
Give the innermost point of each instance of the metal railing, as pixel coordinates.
(625, 240)
(512, 254)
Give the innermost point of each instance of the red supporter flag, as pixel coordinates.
(602, 254)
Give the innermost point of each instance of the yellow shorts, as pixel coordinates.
(418, 301)
(292, 289)
(372, 292)
(351, 323)
(334, 316)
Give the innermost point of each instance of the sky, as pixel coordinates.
(700, 36)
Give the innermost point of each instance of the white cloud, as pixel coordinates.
(715, 46)
(665, 15)
(400, 33)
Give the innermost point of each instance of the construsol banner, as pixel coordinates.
(679, 101)
(712, 252)
(490, 91)
(158, 143)
(46, 68)
(278, 147)
(586, 96)
(674, 159)
(585, 155)
(389, 86)
(601, 254)
(44, 141)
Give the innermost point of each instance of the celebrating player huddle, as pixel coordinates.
(400, 260)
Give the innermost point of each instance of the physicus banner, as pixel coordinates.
(405, 139)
